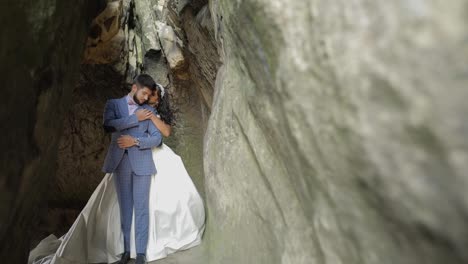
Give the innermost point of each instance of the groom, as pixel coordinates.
(130, 159)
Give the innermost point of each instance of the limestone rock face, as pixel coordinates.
(196, 21)
(84, 144)
(41, 48)
(338, 133)
(106, 40)
(173, 53)
(186, 33)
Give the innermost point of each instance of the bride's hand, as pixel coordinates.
(143, 114)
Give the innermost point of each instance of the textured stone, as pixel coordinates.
(146, 20)
(106, 40)
(338, 133)
(173, 53)
(83, 145)
(201, 51)
(192, 94)
(172, 71)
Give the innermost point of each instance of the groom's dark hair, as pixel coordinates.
(144, 80)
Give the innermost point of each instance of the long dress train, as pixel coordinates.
(177, 220)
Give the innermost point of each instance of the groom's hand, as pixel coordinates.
(143, 114)
(125, 141)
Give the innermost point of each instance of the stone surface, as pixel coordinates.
(172, 51)
(83, 145)
(106, 39)
(338, 133)
(41, 46)
(192, 84)
(146, 18)
(201, 51)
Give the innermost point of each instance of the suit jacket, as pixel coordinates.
(117, 120)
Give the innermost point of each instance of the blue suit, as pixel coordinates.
(132, 168)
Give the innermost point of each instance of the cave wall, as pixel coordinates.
(338, 133)
(42, 43)
(193, 83)
(83, 143)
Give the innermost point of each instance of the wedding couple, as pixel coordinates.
(146, 206)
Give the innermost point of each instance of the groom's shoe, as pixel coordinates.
(125, 258)
(140, 259)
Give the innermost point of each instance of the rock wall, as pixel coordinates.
(42, 43)
(83, 144)
(338, 133)
(190, 22)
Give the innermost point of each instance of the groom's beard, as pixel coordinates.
(137, 101)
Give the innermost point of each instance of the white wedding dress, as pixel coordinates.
(177, 220)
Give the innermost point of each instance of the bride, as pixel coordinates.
(177, 215)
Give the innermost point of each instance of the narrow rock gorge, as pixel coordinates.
(316, 131)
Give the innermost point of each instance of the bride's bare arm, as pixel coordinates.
(163, 127)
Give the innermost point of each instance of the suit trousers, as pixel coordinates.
(133, 192)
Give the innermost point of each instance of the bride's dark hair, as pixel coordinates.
(164, 107)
